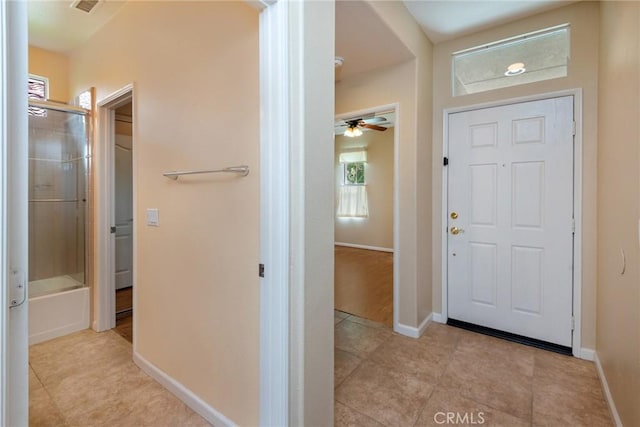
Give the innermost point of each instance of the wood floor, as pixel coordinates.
(124, 313)
(124, 299)
(364, 283)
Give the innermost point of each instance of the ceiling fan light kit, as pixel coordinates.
(354, 127)
(352, 132)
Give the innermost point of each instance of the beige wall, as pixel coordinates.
(55, 66)
(409, 85)
(583, 73)
(195, 70)
(618, 325)
(377, 229)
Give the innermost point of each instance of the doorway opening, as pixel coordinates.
(115, 219)
(123, 195)
(366, 211)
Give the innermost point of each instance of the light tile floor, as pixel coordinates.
(385, 379)
(381, 379)
(89, 379)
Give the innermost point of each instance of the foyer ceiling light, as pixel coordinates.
(515, 69)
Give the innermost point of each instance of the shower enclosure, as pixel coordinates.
(58, 175)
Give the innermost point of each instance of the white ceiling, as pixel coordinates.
(362, 38)
(444, 20)
(54, 25)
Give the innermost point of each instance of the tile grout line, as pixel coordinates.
(493, 407)
(439, 379)
(362, 360)
(51, 399)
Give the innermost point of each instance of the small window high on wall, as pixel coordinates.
(528, 58)
(38, 89)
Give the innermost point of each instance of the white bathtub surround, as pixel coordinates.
(57, 306)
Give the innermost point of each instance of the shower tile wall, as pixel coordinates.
(57, 196)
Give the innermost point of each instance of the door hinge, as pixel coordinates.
(445, 161)
(17, 288)
(112, 230)
(573, 323)
(574, 128)
(261, 270)
(573, 225)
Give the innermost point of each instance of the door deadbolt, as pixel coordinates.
(454, 215)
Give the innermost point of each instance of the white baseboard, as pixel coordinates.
(369, 248)
(412, 332)
(183, 393)
(607, 392)
(437, 317)
(586, 354)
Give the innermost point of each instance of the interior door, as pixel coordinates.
(510, 218)
(124, 211)
(14, 178)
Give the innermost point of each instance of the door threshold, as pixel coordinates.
(531, 342)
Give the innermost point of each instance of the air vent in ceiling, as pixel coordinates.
(84, 5)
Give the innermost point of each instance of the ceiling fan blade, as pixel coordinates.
(374, 127)
(371, 120)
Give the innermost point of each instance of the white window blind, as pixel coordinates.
(352, 201)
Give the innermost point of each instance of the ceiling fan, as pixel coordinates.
(353, 125)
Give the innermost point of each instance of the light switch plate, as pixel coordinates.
(152, 217)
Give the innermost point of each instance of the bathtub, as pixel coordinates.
(57, 306)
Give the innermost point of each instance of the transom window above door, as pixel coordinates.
(527, 58)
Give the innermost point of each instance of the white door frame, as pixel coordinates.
(14, 230)
(274, 213)
(577, 202)
(289, 50)
(104, 207)
(396, 205)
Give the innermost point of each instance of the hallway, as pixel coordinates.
(381, 379)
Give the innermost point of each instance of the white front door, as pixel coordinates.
(124, 211)
(510, 218)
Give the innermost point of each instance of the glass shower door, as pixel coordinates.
(57, 200)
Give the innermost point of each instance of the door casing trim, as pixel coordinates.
(577, 201)
(104, 183)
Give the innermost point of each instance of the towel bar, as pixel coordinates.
(241, 170)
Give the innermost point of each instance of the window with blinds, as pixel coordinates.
(38, 89)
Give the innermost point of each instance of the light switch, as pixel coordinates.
(152, 217)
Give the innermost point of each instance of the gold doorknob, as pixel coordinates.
(454, 215)
(456, 230)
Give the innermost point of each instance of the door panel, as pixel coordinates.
(510, 265)
(124, 211)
